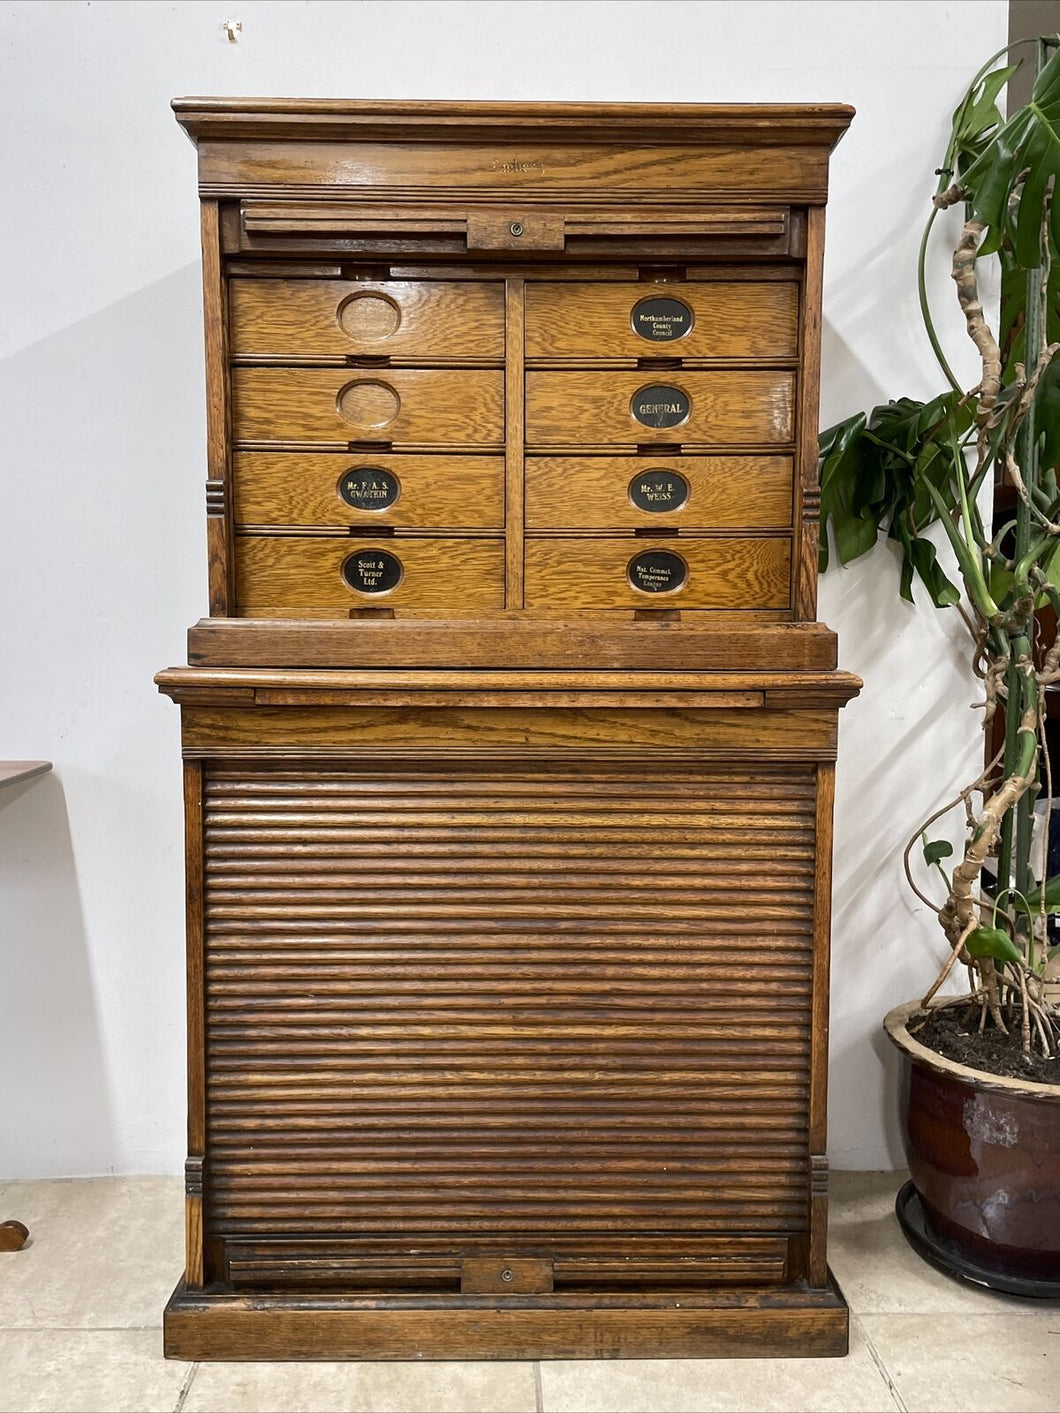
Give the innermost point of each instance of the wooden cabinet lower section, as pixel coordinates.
(504, 1008)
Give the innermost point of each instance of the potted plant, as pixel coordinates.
(981, 1071)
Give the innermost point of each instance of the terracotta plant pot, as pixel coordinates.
(984, 1159)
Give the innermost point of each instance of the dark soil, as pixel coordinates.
(954, 1032)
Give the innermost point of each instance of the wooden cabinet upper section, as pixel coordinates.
(517, 359)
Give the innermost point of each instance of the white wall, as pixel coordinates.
(102, 563)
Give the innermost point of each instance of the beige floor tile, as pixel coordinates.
(103, 1253)
(880, 1273)
(87, 1371)
(850, 1385)
(362, 1388)
(957, 1364)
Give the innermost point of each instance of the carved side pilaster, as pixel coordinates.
(818, 1175)
(193, 1226)
(215, 498)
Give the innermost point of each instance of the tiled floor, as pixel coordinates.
(79, 1330)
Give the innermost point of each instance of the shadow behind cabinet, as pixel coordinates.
(509, 741)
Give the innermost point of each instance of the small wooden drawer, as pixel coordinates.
(410, 406)
(283, 575)
(700, 492)
(730, 408)
(677, 572)
(701, 319)
(403, 319)
(346, 488)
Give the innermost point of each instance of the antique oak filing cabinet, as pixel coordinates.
(509, 741)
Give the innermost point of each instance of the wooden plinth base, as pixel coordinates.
(785, 1323)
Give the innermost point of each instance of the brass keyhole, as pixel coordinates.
(516, 228)
(507, 1276)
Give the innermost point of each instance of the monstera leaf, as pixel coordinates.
(1010, 181)
(883, 474)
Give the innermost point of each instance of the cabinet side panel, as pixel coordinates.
(818, 1273)
(807, 478)
(193, 853)
(218, 417)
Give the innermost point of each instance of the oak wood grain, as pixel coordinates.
(818, 1110)
(519, 645)
(730, 320)
(799, 735)
(442, 407)
(220, 569)
(446, 491)
(727, 408)
(307, 573)
(393, 318)
(781, 172)
(722, 573)
(807, 530)
(743, 492)
(749, 1323)
(514, 493)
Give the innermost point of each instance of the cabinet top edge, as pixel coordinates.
(816, 124)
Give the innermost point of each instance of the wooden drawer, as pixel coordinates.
(405, 319)
(281, 575)
(701, 319)
(420, 406)
(704, 492)
(574, 573)
(344, 488)
(705, 408)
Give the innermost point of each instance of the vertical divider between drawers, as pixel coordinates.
(514, 325)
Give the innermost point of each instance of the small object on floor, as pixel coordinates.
(13, 1236)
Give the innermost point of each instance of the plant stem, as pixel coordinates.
(945, 173)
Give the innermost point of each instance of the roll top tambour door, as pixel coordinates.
(453, 1007)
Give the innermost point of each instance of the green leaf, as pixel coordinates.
(937, 850)
(881, 473)
(1047, 415)
(944, 593)
(853, 536)
(993, 942)
(976, 120)
(1044, 898)
(1009, 205)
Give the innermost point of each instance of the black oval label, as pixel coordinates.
(658, 490)
(660, 406)
(372, 571)
(662, 319)
(657, 572)
(369, 488)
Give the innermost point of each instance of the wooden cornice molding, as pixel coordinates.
(341, 120)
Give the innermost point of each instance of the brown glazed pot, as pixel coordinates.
(984, 1157)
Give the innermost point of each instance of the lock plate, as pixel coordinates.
(506, 1275)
